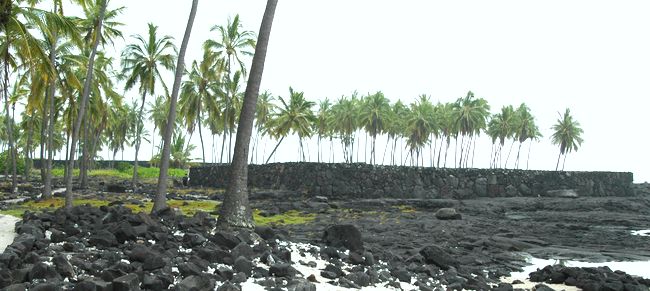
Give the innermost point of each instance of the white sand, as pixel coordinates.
(7, 234)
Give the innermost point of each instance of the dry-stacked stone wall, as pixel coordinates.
(368, 181)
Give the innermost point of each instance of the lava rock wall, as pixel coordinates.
(361, 181)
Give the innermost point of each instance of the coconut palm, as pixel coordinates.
(395, 126)
(502, 126)
(526, 128)
(567, 134)
(322, 123)
(198, 92)
(118, 130)
(18, 47)
(236, 211)
(345, 121)
(470, 115)
(373, 117)
(232, 45)
(232, 100)
(160, 202)
(448, 128)
(142, 62)
(294, 116)
(95, 39)
(263, 112)
(420, 123)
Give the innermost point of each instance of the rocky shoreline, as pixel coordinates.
(376, 244)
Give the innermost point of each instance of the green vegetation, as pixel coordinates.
(188, 208)
(143, 172)
(289, 217)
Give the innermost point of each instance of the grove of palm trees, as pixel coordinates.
(75, 214)
(46, 81)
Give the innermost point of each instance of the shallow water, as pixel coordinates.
(638, 268)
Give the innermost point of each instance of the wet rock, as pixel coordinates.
(359, 278)
(282, 270)
(343, 235)
(229, 287)
(301, 285)
(225, 239)
(243, 265)
(103, 238)
(197, 283)
(63, 266)
(435, 255)
(44, 271)
(129, 282)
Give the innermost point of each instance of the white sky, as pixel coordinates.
(590, 56)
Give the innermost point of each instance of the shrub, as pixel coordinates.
(5, 162)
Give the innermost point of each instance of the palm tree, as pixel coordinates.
(18, 47)
(198, 91)
(160, 202)
(448, 129)
(322, 124)
(295, 117)
(232, 100)
(395, 126)
(373, 117)
(420, 124)
(118, 130)
(232, 45)
(526, 128)
(501, 127)
(344, 123)
(96, 35)
(471, 115)
(263, 112)
(236, 211)
(141, 64)
(567, 134)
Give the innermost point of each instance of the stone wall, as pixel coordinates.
(367, 181)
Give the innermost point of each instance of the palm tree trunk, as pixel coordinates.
(201, 137)
(235, 211)
(447, 151)
(509, 151)
(160, 201)
(138, 142)
(47, 182)
(82, 106)
(557, 165)
(45, 120)
(83, 168)
(274, 149)
(528, 158)
(223, 145)
(12, 150)
(564, 162)
(442, 139)
(517, 160)
(29, 153)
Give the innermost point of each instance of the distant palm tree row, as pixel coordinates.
(46, 57)
(426, 129)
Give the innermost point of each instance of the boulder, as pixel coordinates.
(103, 238)
(195, 282)
(447, 214)
(129, 282)
(343, 235)
(436, 255)
(282, 270)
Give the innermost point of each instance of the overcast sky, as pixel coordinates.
(590, 56)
